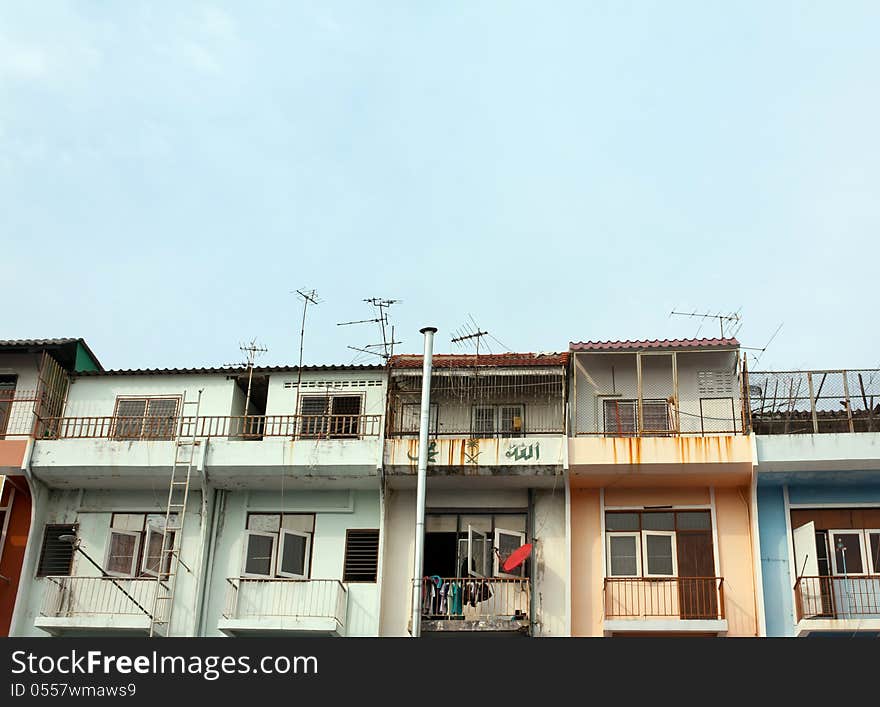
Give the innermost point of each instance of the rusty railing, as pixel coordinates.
(98, 596)
(216, 426)
(664, 597)
(17, 417)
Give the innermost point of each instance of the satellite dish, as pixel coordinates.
(517, 557)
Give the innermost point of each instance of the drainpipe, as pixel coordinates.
(33, 543)
(424, 417)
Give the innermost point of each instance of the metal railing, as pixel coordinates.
(256, 598)
(17, 413)
(814, 402)
(71, 597)
(664, 597)
(243, 427)
(476, 598)
(456, 432)
(837, 597)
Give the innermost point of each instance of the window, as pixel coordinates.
(651, 543)
(145, 418)
(153, 550)
(122, 553)
(56, 557)
(330, 415)
(7, 394)
(361, 562)
(507, 420)
(622, 416)
(506, 542)
(477, 553)
(410, 418)
(278, 545)
(624, 558)
(854, 551)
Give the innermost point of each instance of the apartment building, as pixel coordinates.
(199, 502)
(817, 435)
(663, 526)
(495, 482)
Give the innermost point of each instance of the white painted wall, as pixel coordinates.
(92, 511)
(335, 512)
(370, 383)
(551, 561)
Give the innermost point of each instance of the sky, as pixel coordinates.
(171, 173)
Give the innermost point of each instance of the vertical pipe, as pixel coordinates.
(812, 402)
(424, 417)
(849, 416)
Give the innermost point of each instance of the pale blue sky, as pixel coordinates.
(170, 171)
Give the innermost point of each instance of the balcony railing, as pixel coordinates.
(72, 597)
(476, 599)
(248, 427)
(458, 431)
(837, 597)
(664, 598)
(17, 413)
(256, 598)
(814, 402)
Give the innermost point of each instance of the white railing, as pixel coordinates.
(251, 598)
(94, 596)
(475, 598)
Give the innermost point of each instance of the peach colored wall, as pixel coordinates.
(656, 497)
(736, 560)
(734, 551)
(586, 564)
(12, 452)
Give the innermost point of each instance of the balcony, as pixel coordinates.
(257, 450)
(16, 426)
(837, 603)
(284, 606)
(97, 605)
(664, 605)
(476, 604)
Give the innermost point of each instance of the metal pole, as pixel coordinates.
(424, 418)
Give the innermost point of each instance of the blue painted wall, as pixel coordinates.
(774, 541)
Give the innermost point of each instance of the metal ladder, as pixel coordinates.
(175, 513)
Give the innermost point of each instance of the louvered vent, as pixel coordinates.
(361, 556)
(57, 556)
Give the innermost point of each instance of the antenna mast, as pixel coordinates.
(380, 307)
(308, 297)
(251, 350)
(733, 317)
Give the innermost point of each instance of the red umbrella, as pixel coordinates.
(517, 557)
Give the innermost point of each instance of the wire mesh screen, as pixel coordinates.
(481, 403)
(813, 402)
(657, 394)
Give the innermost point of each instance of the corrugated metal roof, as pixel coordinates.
(653, 344)
(227, 370)
(469, 360)
(37, 343)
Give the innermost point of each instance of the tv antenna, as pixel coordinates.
(380, 309)
(722, 318)
(251, 350)
(308, 297)
(764, 348)
(468, 333)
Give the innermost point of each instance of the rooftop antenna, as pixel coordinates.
(764, 348)
(732, 317)
(380, 309)
(308, 297)
(467, 334)
(251, 351)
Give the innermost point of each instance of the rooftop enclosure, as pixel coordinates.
(490, 396)
(814, 402)
(656, 389)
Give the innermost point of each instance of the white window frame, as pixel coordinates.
(307, 552)
(673, 548)
(261, 533)
(637, 536)
(860, 532)
(134, 556)
(152, 529)
(470, 554)
(873, 569)
(497, 570)
(522, 417)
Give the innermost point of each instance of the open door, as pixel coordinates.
(476, 553)
(808, 591)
